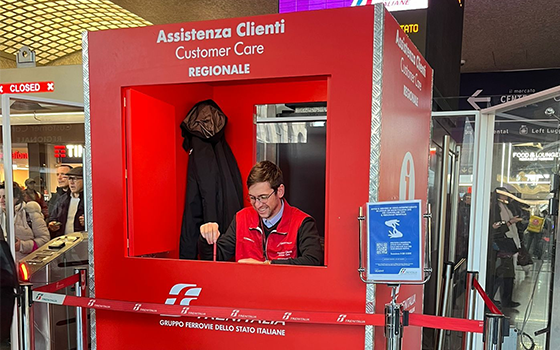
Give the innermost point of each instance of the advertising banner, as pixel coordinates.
(394, 241)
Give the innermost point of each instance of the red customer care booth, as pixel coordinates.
(141, 85)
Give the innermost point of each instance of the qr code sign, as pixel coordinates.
(381, 248)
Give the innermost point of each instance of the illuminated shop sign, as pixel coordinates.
(529, 164)
(17, 155)
(68, 151)
(410, 28)
(391, 5)
(535, 156)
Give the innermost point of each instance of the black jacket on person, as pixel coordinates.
(214, 186)
(55, 196)
(60, 214)
(8, 285)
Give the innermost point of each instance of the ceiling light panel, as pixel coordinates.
(31, 22)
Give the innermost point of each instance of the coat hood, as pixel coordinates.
(205, 121)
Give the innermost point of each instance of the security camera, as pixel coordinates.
(463, 62)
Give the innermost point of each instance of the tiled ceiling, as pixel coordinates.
(52, 29)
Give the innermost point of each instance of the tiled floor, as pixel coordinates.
(527, 280)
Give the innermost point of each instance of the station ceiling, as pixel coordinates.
(498, 35)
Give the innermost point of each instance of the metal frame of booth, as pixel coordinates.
(8, 176)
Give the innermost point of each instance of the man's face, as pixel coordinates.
(76, 183)
(30, 185)
(265, 200)
(3, 198)
(61, 176)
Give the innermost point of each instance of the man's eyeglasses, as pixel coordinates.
(74, 178)
(263, 198)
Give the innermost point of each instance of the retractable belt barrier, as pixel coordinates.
(45, 294)
(489, 303)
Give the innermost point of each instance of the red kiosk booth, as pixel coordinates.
(141, 82)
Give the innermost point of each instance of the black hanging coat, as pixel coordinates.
(214, 186)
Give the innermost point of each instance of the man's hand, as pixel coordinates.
(497, 224)
(82, 220)
(210, 232)
(515, 219)
(253, 261)
(17, 245)
(54, 226)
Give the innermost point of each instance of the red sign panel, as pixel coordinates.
(27, 88)
(403, 167)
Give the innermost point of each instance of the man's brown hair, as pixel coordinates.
(265, 171)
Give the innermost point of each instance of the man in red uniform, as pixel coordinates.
(270, 231)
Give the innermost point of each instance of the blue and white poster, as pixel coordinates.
(394, 242)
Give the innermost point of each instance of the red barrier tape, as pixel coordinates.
(448, 323)
(46, 294)
(309, 317)
(53, 287)
(489, 303)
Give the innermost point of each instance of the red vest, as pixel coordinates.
(281, 243)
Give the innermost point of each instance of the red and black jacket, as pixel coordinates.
(293, 240)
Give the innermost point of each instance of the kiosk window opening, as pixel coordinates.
(294, 137)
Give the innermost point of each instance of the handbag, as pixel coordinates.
(535, 224)
(524, 258)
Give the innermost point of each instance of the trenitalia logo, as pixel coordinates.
(395, 5)
(191, 292)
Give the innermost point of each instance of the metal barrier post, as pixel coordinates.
(393, 324)
(81, 316)
(470, 303)
(25, 317)
(493, 331)
(447, 281)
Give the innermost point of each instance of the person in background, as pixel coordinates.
(505, 244)
(68, 214)
(30, 227)
(270, 231)
(8, 286)
(30, 194)
(463, 225)
(62, 188)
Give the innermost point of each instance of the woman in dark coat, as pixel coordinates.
(504, 244)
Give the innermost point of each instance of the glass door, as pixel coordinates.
(523, 213)
(450, 190)
(40, 138)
